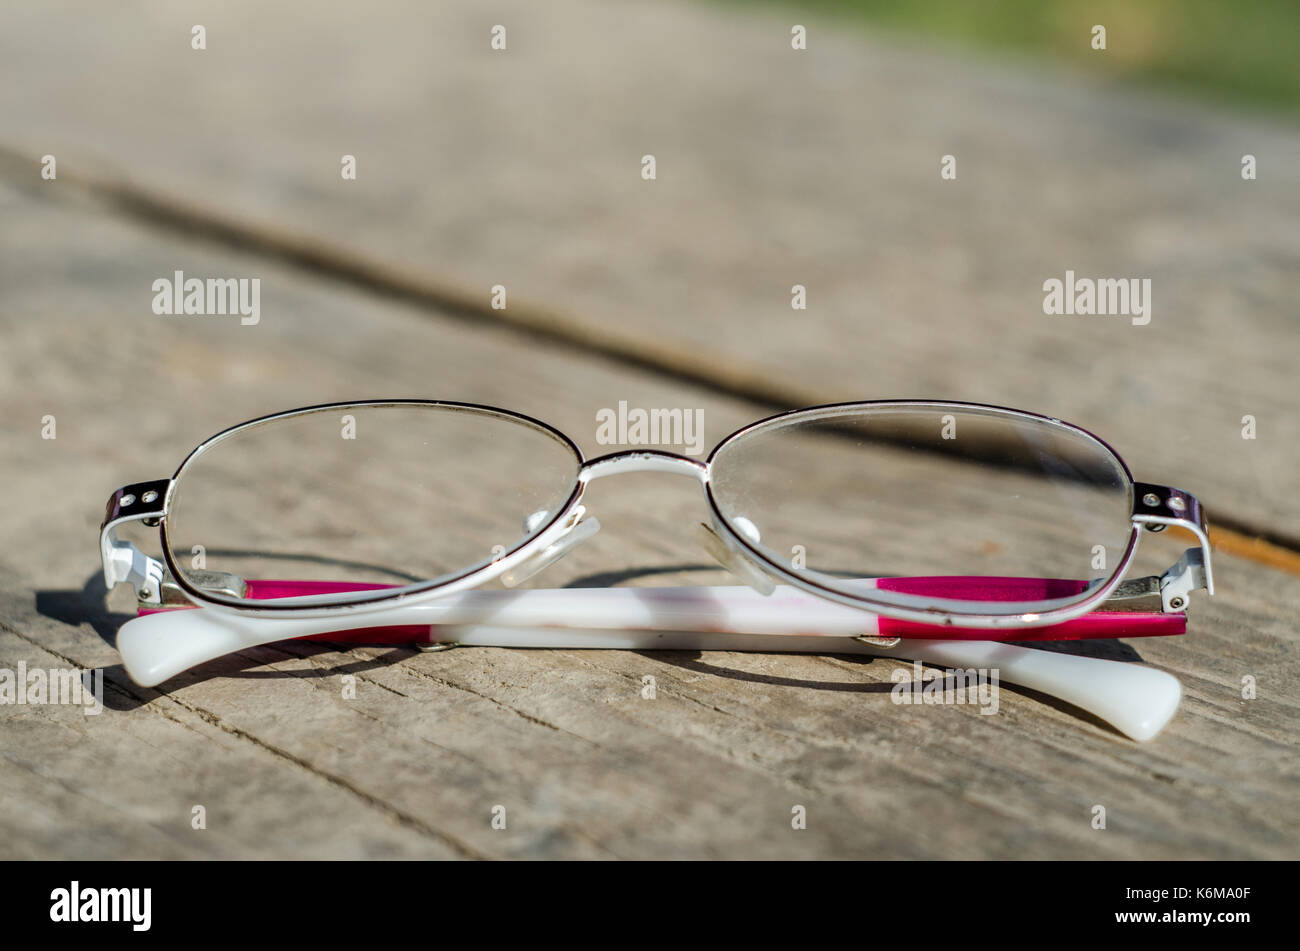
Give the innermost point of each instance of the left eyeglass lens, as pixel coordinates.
(388, 494)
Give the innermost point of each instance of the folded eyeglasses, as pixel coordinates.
(930, 530)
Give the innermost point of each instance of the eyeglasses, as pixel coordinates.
(879, 520)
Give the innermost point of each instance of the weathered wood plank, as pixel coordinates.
(563, 739)
(125, 783)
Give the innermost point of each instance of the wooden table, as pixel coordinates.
(523, 168)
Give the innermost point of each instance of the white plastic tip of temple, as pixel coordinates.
(1137, 700)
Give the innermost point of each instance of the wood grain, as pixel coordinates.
(584, 766)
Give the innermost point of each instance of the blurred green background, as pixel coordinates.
(1232, 51)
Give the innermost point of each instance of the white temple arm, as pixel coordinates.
(1137, 700)
(160, 645)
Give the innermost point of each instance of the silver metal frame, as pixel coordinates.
(1153, 507)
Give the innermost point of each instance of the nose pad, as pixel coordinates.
(579, 531)
(731, 559)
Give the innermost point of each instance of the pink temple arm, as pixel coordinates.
(1098, 624)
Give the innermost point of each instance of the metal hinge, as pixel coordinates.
(171, 595)
(1188, 574)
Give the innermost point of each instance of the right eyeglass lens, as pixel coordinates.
(968, 497)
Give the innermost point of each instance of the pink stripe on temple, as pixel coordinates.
(264, 590)
(393, 634)
(1098, 624)
(978, 588)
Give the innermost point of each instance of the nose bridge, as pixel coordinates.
(643, 460)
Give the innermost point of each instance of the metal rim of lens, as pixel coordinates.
(939, 617)
(497, 566)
